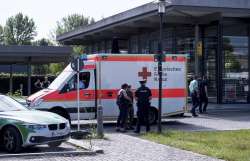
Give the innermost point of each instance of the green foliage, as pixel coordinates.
(40, 69)
(227, 145)
(1, 35)
(43, 42)
(72, 22)
(19, 30)
(56, 68)
(231, 62)
(17, 93)
(78, 50)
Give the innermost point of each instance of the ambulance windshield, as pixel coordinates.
(61, 78)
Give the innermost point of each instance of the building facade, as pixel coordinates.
(215, 35)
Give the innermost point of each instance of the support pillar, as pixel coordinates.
(174, 40)
(139, 45)
(11, 80)
(29, 75)
(203, 59)
(219, 61)
(196, 59)
(105, 46)
(248, 95)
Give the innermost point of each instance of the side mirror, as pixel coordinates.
(65, 88)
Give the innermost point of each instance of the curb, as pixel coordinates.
(64, 153)
(83, 145)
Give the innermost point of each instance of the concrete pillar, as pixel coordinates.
(11, 80)
(139, 45)
(29, 75)
(100, 121)
(196, 59)
(248, 31)
(219, 61)
(174, 40)
(105, 46)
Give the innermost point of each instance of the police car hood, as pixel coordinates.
(33, 116)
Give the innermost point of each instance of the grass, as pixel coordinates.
(227, 145)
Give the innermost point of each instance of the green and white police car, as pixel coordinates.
(21, 127)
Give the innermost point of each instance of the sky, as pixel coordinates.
(47, 12)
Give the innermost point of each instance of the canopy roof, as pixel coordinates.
(145, 18)
(33, 54)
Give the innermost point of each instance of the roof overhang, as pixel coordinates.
(145, 18)
(33, 54)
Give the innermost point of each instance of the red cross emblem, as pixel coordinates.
(144, 74)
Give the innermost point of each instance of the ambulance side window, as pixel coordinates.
(84, 79)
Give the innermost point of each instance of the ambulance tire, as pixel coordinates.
(62, 112)
(153, 115)
(178, 115)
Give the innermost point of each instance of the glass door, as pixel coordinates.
(210, 52)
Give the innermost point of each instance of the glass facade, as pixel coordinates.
(236, 72)
(224, 60)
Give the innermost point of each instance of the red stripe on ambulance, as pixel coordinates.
(109, 94)
(89, 67)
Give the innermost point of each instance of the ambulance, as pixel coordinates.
(102, 76)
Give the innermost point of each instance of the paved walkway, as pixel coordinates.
(219, 117)
(120, 147)
(124, 147)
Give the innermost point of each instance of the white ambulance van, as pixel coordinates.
(102, 76)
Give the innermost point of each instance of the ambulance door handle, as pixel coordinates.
(87, 94)
(110, 94)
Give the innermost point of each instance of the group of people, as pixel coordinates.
(41, 85)
(198, 92)
(125, 101)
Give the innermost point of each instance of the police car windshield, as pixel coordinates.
(9, 104)
(62, 77)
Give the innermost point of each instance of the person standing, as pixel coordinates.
(122, 101)
(45, 83)
(130, 108)
(203, 95)
(194, 92)
(143, 96)
(38, 85)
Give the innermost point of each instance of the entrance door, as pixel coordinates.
(210, 51)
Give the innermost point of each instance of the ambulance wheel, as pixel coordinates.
(153, 115)
(178, 115)
(62, 112)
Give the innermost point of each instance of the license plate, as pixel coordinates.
(57, 133)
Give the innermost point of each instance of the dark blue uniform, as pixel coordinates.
(203, 95)
(143, 95)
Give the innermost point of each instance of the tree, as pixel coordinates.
(41, 69)
(232, 64)
(56, 68)
(42, 42)
(1, 35)
(72, 22)
(67, 24)
(19, 30)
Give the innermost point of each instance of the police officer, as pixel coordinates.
(143, 97)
